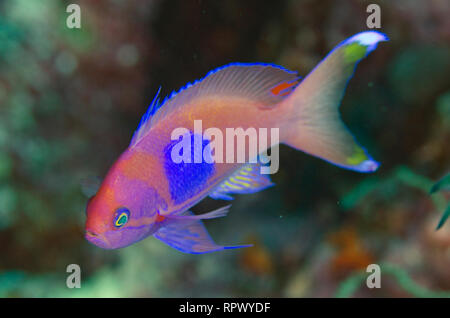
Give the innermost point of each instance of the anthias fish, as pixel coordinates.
(146, 193)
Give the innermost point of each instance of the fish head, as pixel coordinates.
(123, 212)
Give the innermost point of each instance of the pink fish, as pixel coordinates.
(147, 193)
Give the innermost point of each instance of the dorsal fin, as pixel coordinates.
(144, 126)
(264, 83)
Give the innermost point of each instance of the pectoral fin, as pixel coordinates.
(248, 179)
(218, 213)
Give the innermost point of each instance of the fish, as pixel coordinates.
(147, 193)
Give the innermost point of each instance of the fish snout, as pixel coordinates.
(97, 239)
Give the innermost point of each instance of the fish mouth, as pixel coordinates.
(90, 233)
(97, 239)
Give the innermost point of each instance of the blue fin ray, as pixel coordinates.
(145, 123)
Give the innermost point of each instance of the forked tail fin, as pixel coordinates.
(315, 126)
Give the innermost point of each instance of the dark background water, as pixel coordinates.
(70, 100)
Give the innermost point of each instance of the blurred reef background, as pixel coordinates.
(70, 100)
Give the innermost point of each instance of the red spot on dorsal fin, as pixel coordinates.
(160, 218)
(284, 88)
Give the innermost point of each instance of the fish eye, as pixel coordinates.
(122, 216)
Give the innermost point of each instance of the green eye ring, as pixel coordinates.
(121, 218)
